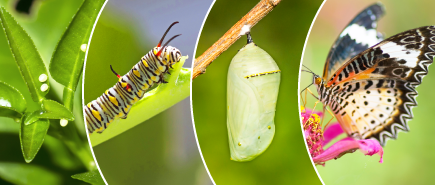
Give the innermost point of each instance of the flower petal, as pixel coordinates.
(305, 113)
(331, 132)
(349, 145)
(371, 147)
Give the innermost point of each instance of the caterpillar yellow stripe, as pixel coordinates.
(117, 101)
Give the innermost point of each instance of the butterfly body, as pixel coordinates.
(372, 93)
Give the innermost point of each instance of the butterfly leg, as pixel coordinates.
(329, 111)
(303, 99)
(312, 94)
(315, 104)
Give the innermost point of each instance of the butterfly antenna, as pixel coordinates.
(308, 71)
(308, 68)
(164, 35)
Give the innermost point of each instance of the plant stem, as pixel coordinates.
(68, 98)
(69, 135)
(232, 35)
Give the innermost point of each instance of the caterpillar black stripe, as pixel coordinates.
(117, 101)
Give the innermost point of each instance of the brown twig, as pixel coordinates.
(230, 37)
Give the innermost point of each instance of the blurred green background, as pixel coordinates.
(45, 22)
(282, 34)
(408, 160)
(161, 150)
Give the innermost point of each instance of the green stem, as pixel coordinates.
(70, 137)
(68, 98)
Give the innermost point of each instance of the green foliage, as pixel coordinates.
(36, 108)
(17, 173)
(27, 57)
(93, 177)
(66, 65)
(12, 102)
(50, 110)
(32, 136)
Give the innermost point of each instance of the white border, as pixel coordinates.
(299, 85)
(83, 90)
(191, 85)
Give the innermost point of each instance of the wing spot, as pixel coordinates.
(389, 100)
(366, 103)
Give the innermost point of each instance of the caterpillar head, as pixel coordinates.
(175, 56)
(168, 55)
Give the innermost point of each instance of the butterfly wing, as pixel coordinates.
(374, 92)
(359, 35)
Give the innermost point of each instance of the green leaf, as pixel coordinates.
(50, 110)
(55, 110)
(92, 177)
(18, 173)
(32, 136)
(153, 102)
(66, 64)
(12, 102)
(27, 57)
(32, 117)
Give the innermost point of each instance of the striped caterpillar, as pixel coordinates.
(117, 101)
(252, 92)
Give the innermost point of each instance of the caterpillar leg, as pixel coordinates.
(162, 79)
(126, 110)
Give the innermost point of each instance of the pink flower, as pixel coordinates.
(316, 139)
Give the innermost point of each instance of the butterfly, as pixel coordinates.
(370, 83)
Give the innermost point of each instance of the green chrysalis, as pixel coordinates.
(252, 92)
